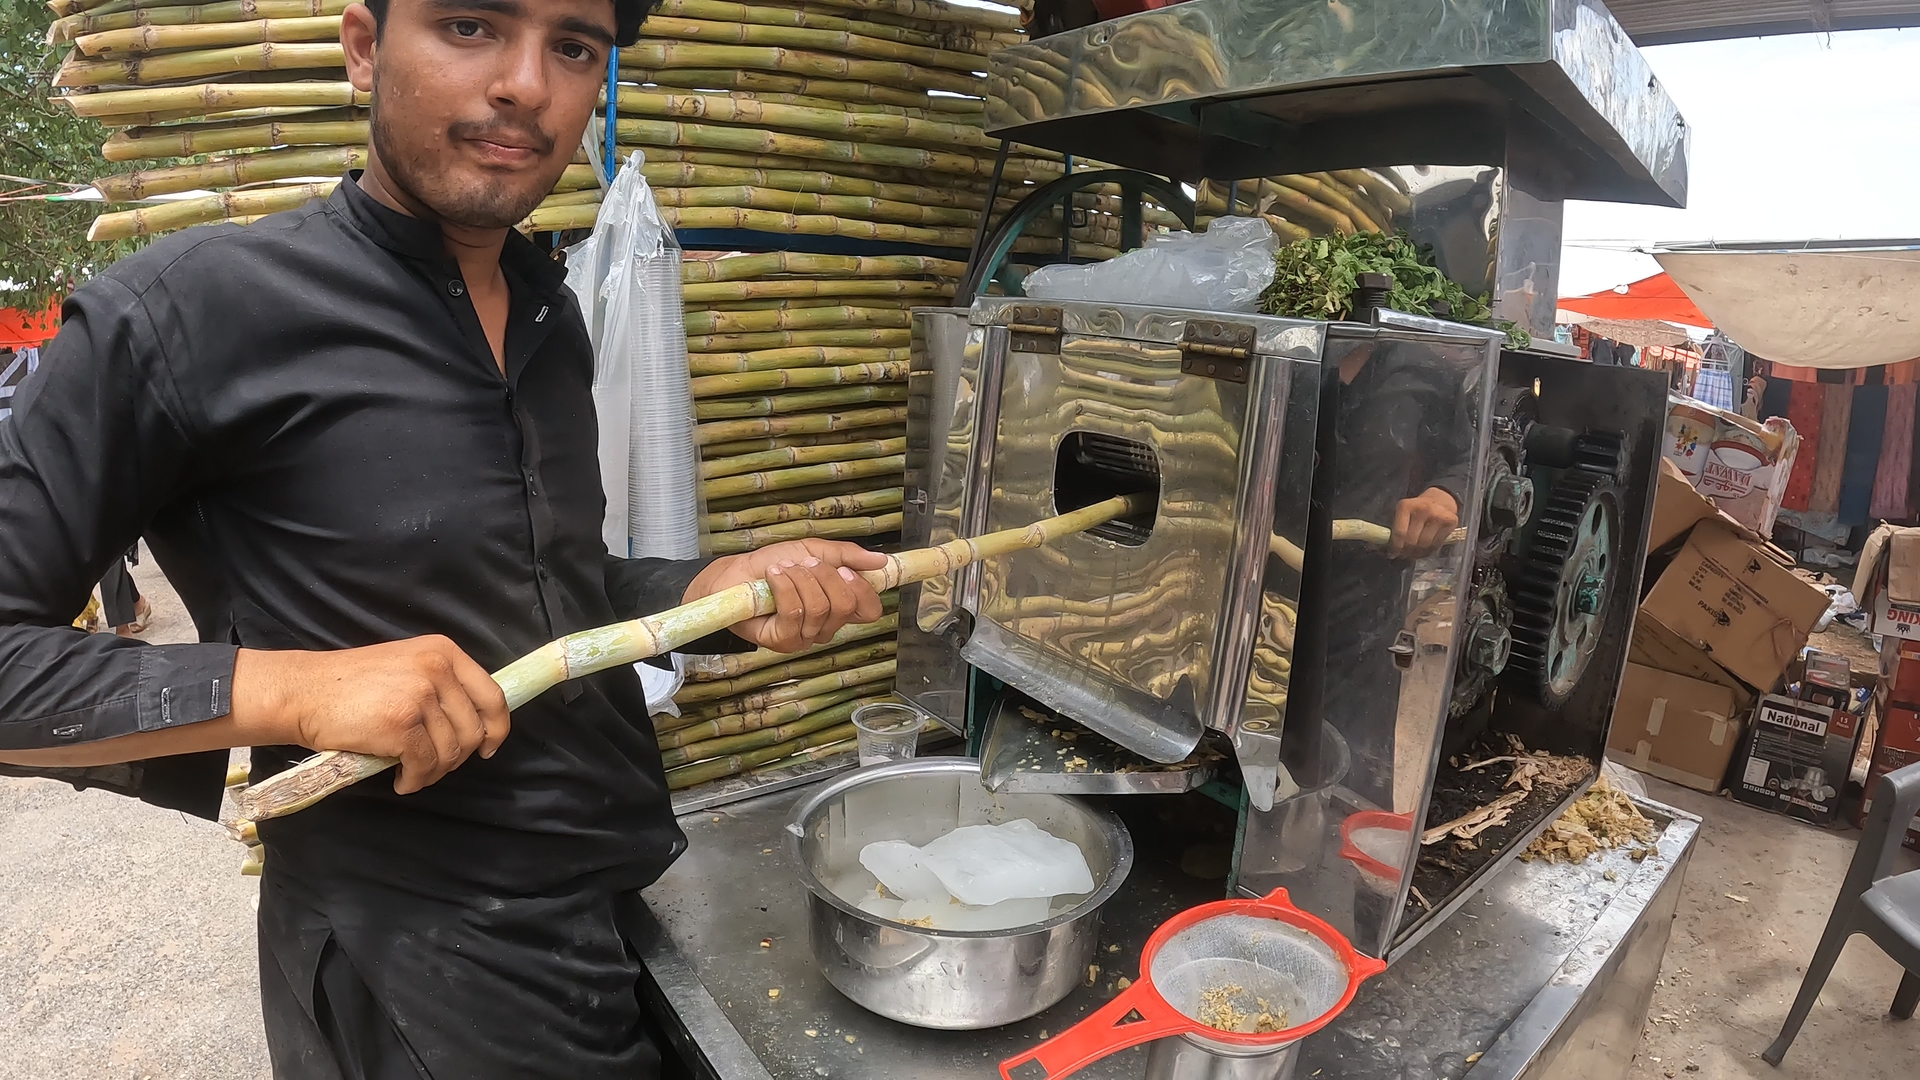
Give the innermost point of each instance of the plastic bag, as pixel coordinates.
(627, 278)
(1225, 268)
(983, 865)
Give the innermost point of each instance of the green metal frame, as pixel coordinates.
(991, 264)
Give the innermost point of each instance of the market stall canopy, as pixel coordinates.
(1835, 305)
(28, 329)
(1656, 298)
(1666, 22)
(1640, 332)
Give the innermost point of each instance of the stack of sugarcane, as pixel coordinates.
(1314, 204)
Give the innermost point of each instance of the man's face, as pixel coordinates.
(479, 104)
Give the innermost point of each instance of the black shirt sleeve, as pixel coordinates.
(642, 587)
(94, 447)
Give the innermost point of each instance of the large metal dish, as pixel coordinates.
(945, 978)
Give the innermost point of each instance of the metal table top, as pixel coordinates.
(1486, 992)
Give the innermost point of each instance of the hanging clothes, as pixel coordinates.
(1805, 403)
(1896, 456)
(1835, 409)
(1776, 400)
(1866, 426)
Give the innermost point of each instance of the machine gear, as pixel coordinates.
(1563, 582)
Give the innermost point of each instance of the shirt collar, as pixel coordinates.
(413, 238)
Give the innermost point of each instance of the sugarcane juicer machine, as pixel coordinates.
(1251, 634)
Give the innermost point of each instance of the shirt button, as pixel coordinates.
(456, 288)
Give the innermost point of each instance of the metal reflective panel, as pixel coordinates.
(1409, 414)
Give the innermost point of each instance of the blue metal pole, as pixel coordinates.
(613, 113)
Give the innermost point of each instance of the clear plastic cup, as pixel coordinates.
(887, 731)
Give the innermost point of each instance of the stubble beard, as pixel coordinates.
(479, 206)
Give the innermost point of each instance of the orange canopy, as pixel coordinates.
(1657, 297)
(27, 329)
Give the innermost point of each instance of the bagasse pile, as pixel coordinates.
(858, 119)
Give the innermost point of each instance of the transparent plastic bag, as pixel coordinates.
(1225, 268)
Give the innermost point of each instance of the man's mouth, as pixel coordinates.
(507, 148)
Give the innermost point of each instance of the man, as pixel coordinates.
(359, 438)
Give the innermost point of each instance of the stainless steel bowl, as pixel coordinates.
(945, 978)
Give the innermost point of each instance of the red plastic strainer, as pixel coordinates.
(1235, 959)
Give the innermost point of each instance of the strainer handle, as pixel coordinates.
(1100, 1034)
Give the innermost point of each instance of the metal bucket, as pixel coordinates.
(944, 978)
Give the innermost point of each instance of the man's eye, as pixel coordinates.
(466, 28)
(573, 50)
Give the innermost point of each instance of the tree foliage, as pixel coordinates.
(44, 251)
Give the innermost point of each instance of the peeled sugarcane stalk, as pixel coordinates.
(837, 42)
(1365, 532)
(720, 689)
(627, 643)
(801, 455)
(716, 451)
(721, 768)
(654, 55)
(214, 97)
(850, 337)
(802, 476)
(735, 665)
(749, 267)
(231, 172)
(847, 528)
(146, 40)
(809, 424)
(226, 206)
(760, 738)
(174, 67)
(838, 506)
(921, 292)
(702, 365)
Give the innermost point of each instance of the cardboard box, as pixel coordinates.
(1659, 648)
(1900, 729)
(1892, 621)
(1677, 507)
(1795, 759)
(1903, 675)
(1740, 464)
(1886, 760)
(1895, 585)
(1729, 598)
(1674, 727)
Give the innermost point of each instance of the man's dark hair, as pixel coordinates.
(627, 17)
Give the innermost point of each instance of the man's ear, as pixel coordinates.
(359, 36)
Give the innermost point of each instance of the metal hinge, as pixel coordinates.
(1035, 329)
(1216, 350)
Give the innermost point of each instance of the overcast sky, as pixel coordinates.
(1808, 136)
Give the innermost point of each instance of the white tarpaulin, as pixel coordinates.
(1824, 309)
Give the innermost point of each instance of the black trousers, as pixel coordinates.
(388, 987)
(118, 594)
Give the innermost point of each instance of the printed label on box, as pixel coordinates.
(1757, 771)
(1901, 622)
(1788, 718)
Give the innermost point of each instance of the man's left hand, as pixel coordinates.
(815, 590)
(1421, 524)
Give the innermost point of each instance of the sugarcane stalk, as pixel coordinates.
(747, 140)
(934, 11)
(702, 365)
(560, 219)
(862, 653)
(800, 402)
(174, 67)
(709, 321)
(749, 267)
(589, 651)
(849, 337)
(720, 291)
(226, 206)
(761, 738)
(733, 720)
(762, 81)
(810, 424)
(231, 172)
(855, 206)
(745, 109)
(703, 668)
(715, 451)
(811, 754)
(1365, 532)
(721, 768)
(653, 55)
(145, 40)
(961, 38)
(187, 142)
(761, 499)
(803, 476)
(71, 27)
(214, 97)
(788, 457)
(838, 42)
(846, 528)
(735, 159)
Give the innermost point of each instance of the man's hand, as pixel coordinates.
(815, 590)
(1421, 524)
(421, 700)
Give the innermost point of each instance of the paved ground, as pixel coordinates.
(126, 944)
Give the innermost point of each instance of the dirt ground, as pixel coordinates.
(126, 944)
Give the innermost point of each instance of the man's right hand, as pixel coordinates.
(421, 700)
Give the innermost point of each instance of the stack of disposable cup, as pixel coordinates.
(664, 511)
